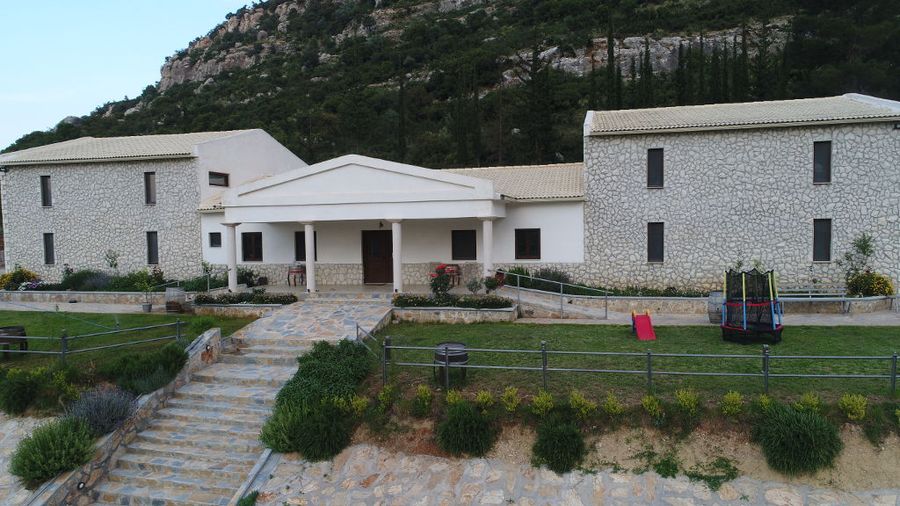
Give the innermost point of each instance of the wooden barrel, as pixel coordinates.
(714, 307)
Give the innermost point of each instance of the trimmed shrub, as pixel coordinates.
(256, 297)
(318, 433)
(454, 397)
(450, 300)
(797, 442)
(580, 404)
(510, 399)
(809, 402)
(465, 431)
(853, 406)
(612, 406)
(19, 389)
(386, 398)
(869, 284)
(542, 403)
(653, 407)
(55, 447)
(688, 402)
(559, 446)
(102, 409)
(421, 404)
(484, 400)
(732, 404)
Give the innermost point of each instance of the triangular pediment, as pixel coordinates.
(360, 179)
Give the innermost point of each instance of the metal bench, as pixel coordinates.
(816, 293)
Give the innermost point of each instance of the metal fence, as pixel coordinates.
(765, 358)
(66, 341)
(560, 289)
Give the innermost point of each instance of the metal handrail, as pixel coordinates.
(562, 294)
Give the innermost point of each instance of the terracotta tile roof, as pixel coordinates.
(533, 182)
(849, 108)
(99, 149)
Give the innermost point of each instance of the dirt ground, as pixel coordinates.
(860, 466)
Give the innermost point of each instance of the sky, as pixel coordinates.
(65, 57)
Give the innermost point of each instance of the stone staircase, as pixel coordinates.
(202, 446)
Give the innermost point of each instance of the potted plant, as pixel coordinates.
(146, 286)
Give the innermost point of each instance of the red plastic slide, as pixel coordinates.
(642, 326)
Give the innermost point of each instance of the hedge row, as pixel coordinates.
(255, 297)
(464, 301)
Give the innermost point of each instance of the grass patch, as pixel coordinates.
(714, 473)
(53, 324)
(801, 340)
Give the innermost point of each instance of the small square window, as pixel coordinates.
(528, 243)
(215, 239)
(218, 179)
(462, 244)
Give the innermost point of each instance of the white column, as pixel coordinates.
(487, 246)
(309, 233)
(397, 253)
(231, 254)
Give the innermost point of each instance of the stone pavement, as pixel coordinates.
(202, 445)
(365, 474)
(13, 430)
(80, 307)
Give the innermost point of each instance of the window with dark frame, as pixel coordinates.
(462, 245)
(822, 240)
(822, 162)
(655, 242)
(152, 248)
(150, 188)
(300, 246)
(46, 196)
(218, 179)
(655, 168)
(251, 246)
(49, 249)
(215, 239)
(528, 244)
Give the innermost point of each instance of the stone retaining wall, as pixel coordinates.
(235, 310)
(64, 490)
(136, 298)
(453, 315)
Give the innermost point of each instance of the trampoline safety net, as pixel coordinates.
(751, 312)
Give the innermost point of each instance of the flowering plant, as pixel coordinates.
(440, 283)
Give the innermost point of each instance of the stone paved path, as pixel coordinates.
(203, 444)
(368, 475)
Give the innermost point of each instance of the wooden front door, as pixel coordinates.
(377, 250)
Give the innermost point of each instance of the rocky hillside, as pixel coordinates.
(469, 82)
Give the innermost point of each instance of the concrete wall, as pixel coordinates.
(738, 195)
(99, 207)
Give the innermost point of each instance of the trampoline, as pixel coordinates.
(751, 311)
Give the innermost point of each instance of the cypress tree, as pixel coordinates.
(702, 94)
(476, 122)
(726, 89)
(632, 85)
(680, 76)
(647, 76)
(689, 74)
(401, 119)
(743, 67)
(592, 85)
(619, 85)
(762, 82)
(715, 77)
(610, 61)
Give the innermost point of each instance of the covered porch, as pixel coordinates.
(359, 221)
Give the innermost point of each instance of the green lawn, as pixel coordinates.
(703, 340)
(53, 324)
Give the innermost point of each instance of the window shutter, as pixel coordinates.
(655, 242)
(655, 168)
(822, 162)
(822, 240)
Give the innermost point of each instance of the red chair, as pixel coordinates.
(455, 273)
(295, 272)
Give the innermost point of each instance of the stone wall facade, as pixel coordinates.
(454, 315)
(99, 207)
(738, 195)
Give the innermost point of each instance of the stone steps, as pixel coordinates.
(233, 374)
(256, 396)
(173, 481)
(154, 450)
(273, 349)
(200, 414)
(223, 430)
(224, 407)
(118, 493)
(259, 359)
(201, 441)
(223, 470)
(297, 344)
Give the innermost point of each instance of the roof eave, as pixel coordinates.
(64, 161)
(543, 199)
(753, 126)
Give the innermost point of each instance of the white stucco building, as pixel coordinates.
(665, 197)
